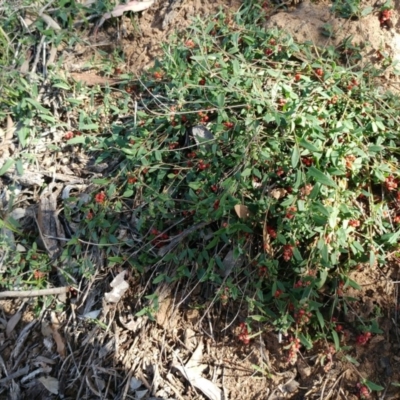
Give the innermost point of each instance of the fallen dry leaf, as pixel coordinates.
(50, 383)
(192, 370)
(120, 286)
(242, 211)
(12, 323)
(278, 193)
(119, 9)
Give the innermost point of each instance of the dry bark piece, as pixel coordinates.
(48, 222)
(21, 339)
(230, 262)
(92, 79)
(201, 134)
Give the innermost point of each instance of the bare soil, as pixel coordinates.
(69, 356)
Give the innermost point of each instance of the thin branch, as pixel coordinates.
(34, 293)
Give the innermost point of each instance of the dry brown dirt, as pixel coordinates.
(116, 356)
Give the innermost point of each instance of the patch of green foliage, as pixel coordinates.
(296, 189)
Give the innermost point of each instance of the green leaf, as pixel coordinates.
(20, 167)
(307, 145)
(320, 319)
(77, 140)
(391, 238)
(352, 360)
(7, 165)
(37, 105)
(305, 342)
(353, 284)
(320, 177)
(158, 155)
(366, 11)
(221, 100)
(259, 318)
(62, 85)
(373, 386)
(246, 172)
(336, 340)
(375, 148)
(295, 156)
(128, 193)
(100, 181)
(158, 279)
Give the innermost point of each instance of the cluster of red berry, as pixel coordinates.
(271, 232)
(244, 333)
(300, 284)
(262, 272)
(173, 145)
(203, 117)
(337, 327)
(190, 44)
(319, 72)
(353, 83)
(302, 317)
(100, 198)
(202, 165)
(349, 161)
(384, 18)
(70, 134)
(287, 252)
(363, 392)
(306, 190)
(294, 348)
(228, 124)
(158, 75)
(307, 161)
(391, 183)
(355, 223)
(224, 296)
(132, 179)
(290, 212)
(363, 338)
(159, 239)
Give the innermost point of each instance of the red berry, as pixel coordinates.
(297, 77)
(228, 125)
(319, 72)
(189, 43)
(100, 197)
(69, 135)
(157, 75)
(202, 82)
(268, 51)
